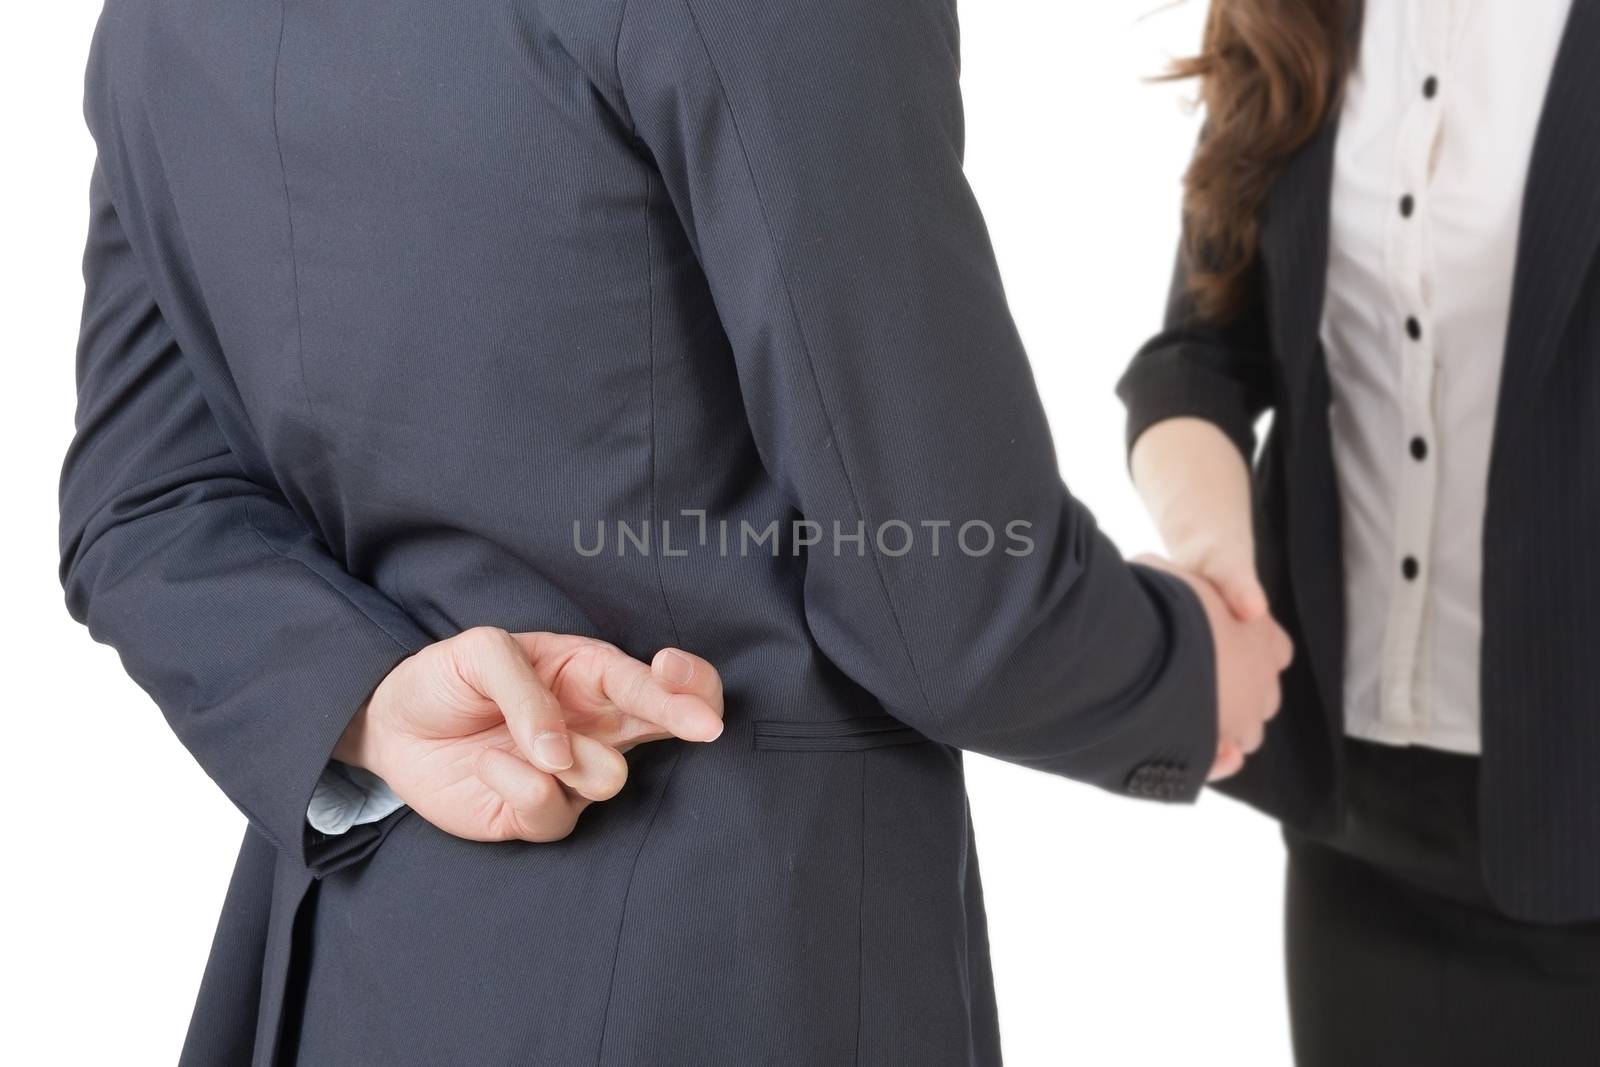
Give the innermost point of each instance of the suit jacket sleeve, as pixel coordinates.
(223, 605)
(1220, 373)
(813, 150)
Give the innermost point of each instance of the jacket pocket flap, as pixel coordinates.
(837, 735)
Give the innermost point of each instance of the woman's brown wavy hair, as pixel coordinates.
(1270, 72)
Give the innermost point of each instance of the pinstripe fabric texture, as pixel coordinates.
(1541, 691)
(386, 299)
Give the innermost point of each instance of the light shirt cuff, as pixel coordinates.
(349, 796)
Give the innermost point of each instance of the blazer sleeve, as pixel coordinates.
(813, 151)
(1222, 374)
(253, 640)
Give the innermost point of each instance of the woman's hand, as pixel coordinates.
(1196, 486)
(495, 736)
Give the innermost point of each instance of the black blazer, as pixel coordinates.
(383, 297)
(1541, 646)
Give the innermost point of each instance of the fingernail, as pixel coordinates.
(554, 751)
(676, 667)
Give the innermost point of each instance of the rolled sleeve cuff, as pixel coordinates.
(1179, 391)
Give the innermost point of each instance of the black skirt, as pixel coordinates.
(1396, 955)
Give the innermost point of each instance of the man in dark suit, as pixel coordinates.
(393, 309)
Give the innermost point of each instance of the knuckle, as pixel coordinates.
(667, 707)
(589, 662)
(555, 826)
(541, 712)
(522, 715)
(479, 634)
(634, 689)
(534, 799)
(484, 640)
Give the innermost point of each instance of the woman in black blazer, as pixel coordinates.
(1392, 227)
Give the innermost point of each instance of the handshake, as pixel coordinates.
(1196, 485)
(1252, 652)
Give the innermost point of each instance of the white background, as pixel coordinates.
(1134, 935)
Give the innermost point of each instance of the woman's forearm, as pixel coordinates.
(1196, 486)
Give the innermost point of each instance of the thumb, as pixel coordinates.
(1240, 589)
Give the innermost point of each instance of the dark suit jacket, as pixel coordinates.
(1541, 694)
(382, 299)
